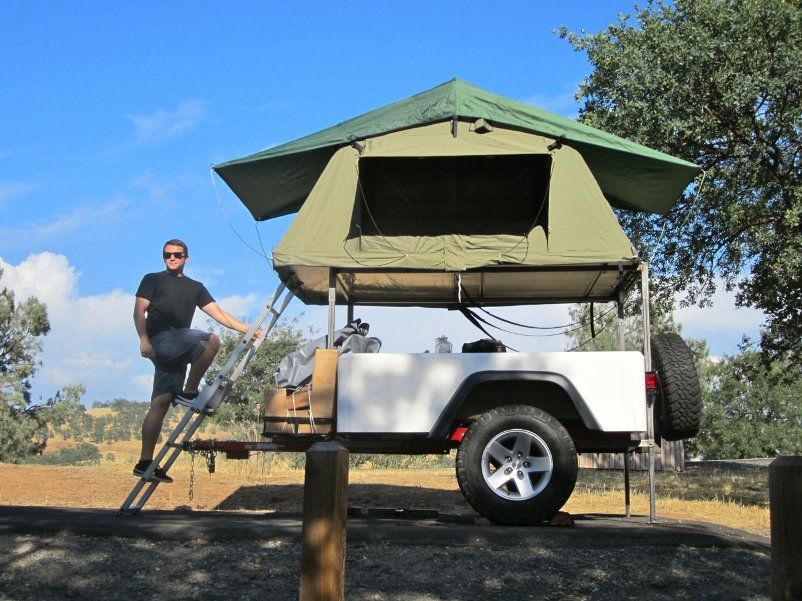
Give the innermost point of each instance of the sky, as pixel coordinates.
(111, 115)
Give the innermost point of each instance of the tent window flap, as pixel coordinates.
(435, 196)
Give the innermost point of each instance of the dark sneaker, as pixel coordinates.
(159, 475)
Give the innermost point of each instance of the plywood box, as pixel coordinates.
(290, 412)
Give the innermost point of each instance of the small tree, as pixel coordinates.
(24, 426)
(23, 430)
(749, 410)
(239, 412)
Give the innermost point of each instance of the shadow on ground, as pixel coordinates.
(289, 497)
(535, 563)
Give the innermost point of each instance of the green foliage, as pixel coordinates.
(123, 423)
(750, 410)
(23, 429)
(719, 83)
(392, 461)
(83, 453)
(23, 426)
(238, 412)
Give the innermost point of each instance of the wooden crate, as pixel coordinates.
(308, 410)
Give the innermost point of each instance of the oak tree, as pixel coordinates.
(719, 83)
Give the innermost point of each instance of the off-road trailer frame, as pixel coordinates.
(446, 435)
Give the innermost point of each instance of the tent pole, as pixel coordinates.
(627, 505)
(647, 352)
(332, 301)
(622, 347)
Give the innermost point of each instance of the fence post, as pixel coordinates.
(324, 521)
(785, 501)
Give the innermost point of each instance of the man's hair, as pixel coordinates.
(177, 242)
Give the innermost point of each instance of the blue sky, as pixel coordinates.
(111, 115)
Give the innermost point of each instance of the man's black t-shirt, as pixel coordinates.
(172, 300)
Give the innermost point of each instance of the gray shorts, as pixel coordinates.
(175, 349)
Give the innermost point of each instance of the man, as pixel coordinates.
(163, 310)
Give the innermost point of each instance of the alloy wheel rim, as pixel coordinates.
(517, 464)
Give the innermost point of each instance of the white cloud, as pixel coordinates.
(166, 124)
(561, 103)
(243, 307)
(11, 189)
(156, 189)
(67, 223)
(92, 339)
(723, 324)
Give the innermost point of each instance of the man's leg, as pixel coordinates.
(202, 363)
(152, 426)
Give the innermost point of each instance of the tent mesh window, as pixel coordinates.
(435, 196)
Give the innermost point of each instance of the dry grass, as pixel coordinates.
(266, 483)
(259, 485)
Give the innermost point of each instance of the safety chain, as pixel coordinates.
(209, 456)
(191, 475)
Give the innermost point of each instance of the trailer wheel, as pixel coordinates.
(516, 465)
(678, 405)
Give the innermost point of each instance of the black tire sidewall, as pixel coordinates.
(481, 496)
(678, 404)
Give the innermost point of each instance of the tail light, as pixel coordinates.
(458, 434)
(651, 381)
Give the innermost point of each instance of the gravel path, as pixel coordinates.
(48, 566)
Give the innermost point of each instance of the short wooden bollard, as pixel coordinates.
(325, 510)
(785, 498)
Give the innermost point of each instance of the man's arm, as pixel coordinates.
(224, 318)
(140, 320)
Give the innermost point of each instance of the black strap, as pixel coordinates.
(473, 318)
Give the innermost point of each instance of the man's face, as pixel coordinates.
(175, 258)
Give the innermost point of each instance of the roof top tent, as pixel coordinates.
(456, 190)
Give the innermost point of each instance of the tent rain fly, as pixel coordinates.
(417, 202)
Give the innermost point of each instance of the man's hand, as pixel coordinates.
(146, 349)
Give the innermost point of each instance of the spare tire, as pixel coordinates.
(678, 404)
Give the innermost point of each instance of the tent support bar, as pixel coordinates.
(622, 347)
(647, 353)
(627, 508)
(593, 284)
(332, 301)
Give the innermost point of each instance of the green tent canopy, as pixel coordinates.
(453, 196)
(276, 181)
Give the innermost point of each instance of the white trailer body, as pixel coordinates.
(408, 393)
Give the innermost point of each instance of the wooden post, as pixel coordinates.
(785, 499)
(325, 508)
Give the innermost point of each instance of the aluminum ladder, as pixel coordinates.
(207, 401)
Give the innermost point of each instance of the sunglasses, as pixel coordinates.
(178, 255)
